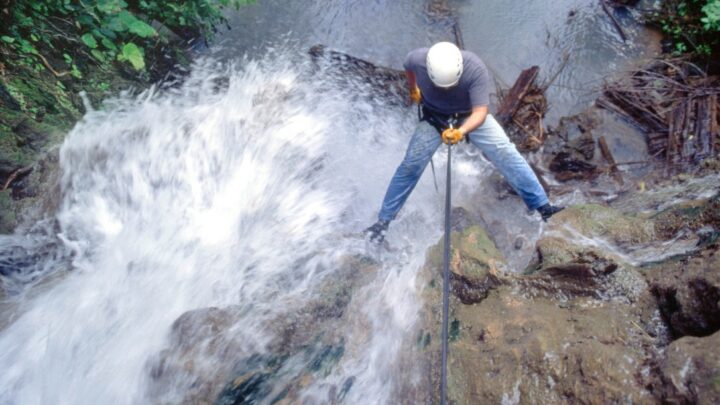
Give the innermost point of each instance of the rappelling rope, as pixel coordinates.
(446, 286)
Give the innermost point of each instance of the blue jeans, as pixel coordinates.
(490, 138)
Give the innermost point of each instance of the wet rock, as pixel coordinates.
(200, 358)
(461, 219)
(688, 293)
(691, 371)
(473, 264)
(29, 135)
(662, 195)
(518, 349)
(563, 269)
(573, 162)
(594, 220)
(208, 360)
(572, 147)
(692, 215)
(585, 324)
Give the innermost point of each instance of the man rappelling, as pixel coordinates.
(452, 87)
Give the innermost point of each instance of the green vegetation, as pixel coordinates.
(51, 51)
(36, 32)
(692, 25)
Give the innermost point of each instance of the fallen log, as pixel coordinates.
(513, 100)
(386, 84)
(675, 104)
(605, 151)
(706, 114)
(18, 174)
(615, 22)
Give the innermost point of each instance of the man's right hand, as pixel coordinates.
(452, 135)
(415, 95)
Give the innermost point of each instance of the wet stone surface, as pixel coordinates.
(584, 324)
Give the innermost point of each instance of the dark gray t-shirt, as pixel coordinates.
(473, 90)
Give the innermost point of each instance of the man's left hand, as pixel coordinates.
(452, 135)
(415, 95)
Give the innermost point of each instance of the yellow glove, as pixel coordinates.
(452, 135)
(415, 95)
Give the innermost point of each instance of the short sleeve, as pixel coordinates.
(408, 64)
(480, 88)
(415, 59)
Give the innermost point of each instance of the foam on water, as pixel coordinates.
(231, 189)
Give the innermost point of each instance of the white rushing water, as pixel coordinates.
(235, 188)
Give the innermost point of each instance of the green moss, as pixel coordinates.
(475, 243)
(472, 243)
(598, 220)
(10, 150)
(693, 215)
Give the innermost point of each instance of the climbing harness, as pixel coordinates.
(439, 121)
(446, 286)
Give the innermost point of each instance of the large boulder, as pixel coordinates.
(515, 348)
(209, 358)
(474, 261)
(687, 290)
(577, 328)
(691, 371)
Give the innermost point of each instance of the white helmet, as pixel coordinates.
(444, 64)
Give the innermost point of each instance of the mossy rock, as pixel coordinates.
(472, 253)
(473, 264)
(692, 215)
(600, 221)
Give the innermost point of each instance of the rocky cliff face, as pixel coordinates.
(599, 317)
(608, 311)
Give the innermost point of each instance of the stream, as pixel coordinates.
(245, 186)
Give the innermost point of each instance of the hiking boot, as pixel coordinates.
(547, 210)
(377, 232)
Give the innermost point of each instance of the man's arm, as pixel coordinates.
(412, 81)
(476, 118)
(415, 95)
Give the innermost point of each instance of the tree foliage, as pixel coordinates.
(106, 30)
(692, 25)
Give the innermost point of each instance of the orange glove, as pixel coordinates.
(415, 95)
(452, 135)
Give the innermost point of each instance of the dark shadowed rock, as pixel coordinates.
(688, 292)
(691, 371)
(379, 83)
(473, 264)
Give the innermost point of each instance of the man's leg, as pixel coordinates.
(423, 145)
(497, 147)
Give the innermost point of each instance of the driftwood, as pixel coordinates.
(614, 20)
(16, 175)
(522, 109)
(512, 101)
(676, 105)
(605, 151)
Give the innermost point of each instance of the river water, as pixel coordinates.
(244, 187)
